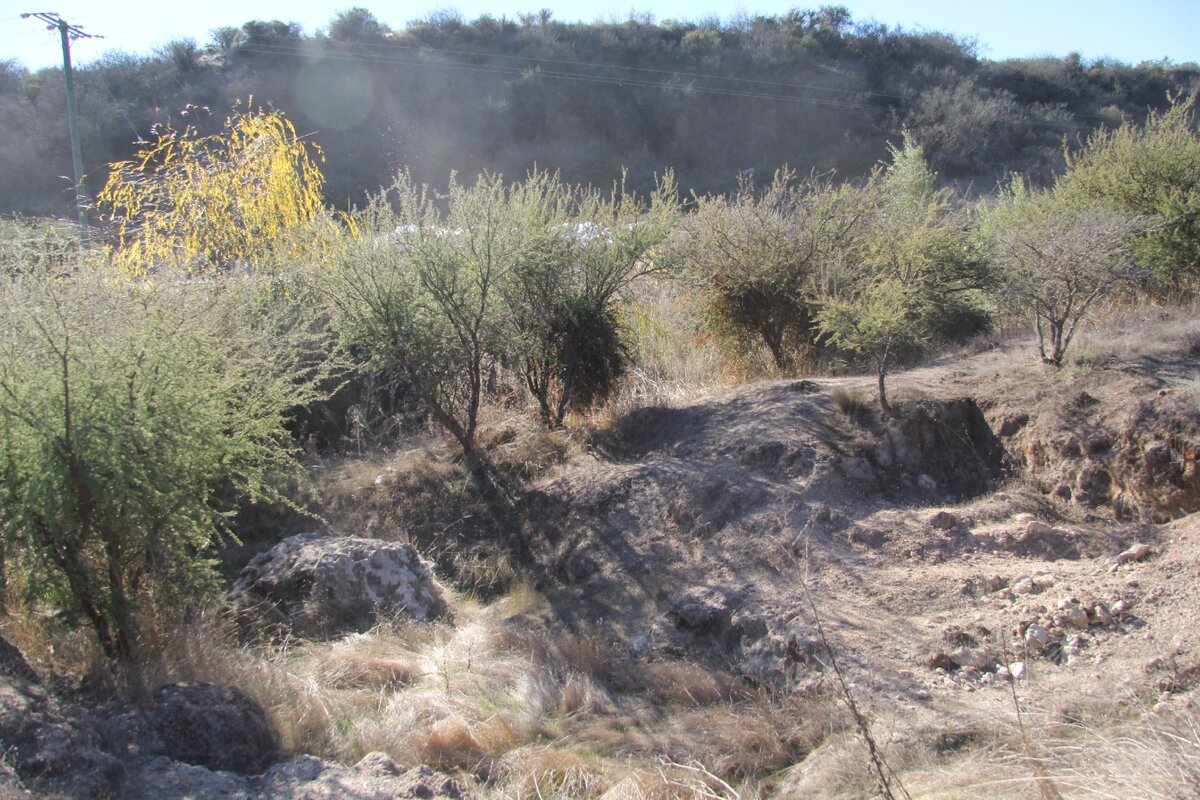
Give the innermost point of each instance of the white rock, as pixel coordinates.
(1137, 552)
(322, 586)
(977, 659)
(1043, 582)
(1017, 670)
(1120, 607)
(1023, 585)
(1037, 637)
(1036, 528)
(1073, 614)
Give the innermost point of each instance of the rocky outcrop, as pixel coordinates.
(1139, 460)
(946, 447)
(770, 646)
(42, 744)
(319, 586)
(219, 727)
(375, 777)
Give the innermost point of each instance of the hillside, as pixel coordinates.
(722, 595)
(813, 89)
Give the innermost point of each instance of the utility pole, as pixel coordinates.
(69, 33)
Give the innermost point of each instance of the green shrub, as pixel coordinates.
(758, 255)
(1056, 260)
(1151, 171)
(919, 271)
(125, 412)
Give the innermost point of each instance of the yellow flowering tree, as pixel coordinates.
(207, 202)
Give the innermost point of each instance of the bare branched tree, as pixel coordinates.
(1056, 263)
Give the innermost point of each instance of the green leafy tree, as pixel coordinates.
(881, 321)
(758, 255)
(419, 289)
(125, 413)
(916, 277)
(1152, 171)
(356, 25)
(561, 297)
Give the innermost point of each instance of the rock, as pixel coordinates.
(129, 735)
(1093, 486)
(1023, 585)
(375, 777)
(1120, 607)
(218, 727)
(1043, 581)
(1017, 670)
(706, 612)
(946, 445)
(14, 665)
(1037, 637)
(160, 778)
(45, 747)
(1073, 614)
(326, 586)
(943, 521)
(1036, 529)
(980, 658)
(940, 660)
(1101, 614)
(1138, 552)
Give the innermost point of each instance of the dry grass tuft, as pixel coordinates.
(48, 642)
(581, 696)
(686, 683)
(517, 445)
(348, 670)
(451, 745)
(851, 402)
(544, 772)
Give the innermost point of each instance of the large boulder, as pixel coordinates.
(318, 585)
(218, 727)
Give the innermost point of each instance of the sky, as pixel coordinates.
(1133, 32)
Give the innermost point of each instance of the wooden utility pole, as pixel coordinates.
(69, 33)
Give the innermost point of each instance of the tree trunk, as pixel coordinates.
(884, 405)
(1056, 344)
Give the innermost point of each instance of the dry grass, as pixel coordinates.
(687, 683)
(851, 402)
(1124, 333)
